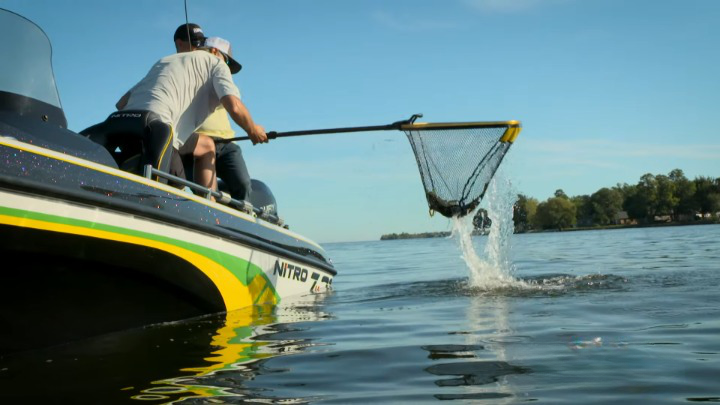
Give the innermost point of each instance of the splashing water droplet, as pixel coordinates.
(492, 270)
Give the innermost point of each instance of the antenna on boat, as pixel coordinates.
(187, 22)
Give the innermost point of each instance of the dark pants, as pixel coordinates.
(136, 138)
(231, 169)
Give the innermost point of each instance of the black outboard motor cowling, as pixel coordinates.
(262, 197)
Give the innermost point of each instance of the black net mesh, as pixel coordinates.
(457, 164)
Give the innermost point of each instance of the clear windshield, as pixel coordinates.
(25, 59)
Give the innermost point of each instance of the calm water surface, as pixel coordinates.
(613, 316)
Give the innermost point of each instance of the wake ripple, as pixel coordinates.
(539, 286)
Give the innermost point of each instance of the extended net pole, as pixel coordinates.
(456, 160)
(273, 134)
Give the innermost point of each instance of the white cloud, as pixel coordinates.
(507, 6)
(411, 24)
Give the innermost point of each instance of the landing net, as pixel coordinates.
(458, 160)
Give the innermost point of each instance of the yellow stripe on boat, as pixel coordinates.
(235, 295)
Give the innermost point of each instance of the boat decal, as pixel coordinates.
(240, 283)
(289, 271)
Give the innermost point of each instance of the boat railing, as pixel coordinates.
(220, 196)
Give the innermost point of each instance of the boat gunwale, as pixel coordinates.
(47, 190)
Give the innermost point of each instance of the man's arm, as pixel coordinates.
(123, 101)
(240, 114)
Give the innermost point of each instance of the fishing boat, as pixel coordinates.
(89, 248)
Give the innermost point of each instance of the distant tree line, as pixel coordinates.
(481, 225)
(405, 235)
(655, 198)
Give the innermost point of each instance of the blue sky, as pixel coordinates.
(606, 90)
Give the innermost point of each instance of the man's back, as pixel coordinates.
(183, 90)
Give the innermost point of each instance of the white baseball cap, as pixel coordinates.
(223, 46)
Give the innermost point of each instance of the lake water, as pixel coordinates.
(611, 316)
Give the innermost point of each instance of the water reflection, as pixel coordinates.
(489, 333)
(479, 368)
(198, 360)
(240, 346)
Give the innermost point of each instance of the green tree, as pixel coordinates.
(666, 202)
(625, 189)
(524, 212)
(631, 203)
(559, 193)
(555, 213)
(706, 194)
(713, 203)
(583, 210)
(606, 203)
(684, 193)
(644, 201)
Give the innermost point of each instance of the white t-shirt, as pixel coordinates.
(183, 89)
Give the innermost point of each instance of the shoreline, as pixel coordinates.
(426, 235)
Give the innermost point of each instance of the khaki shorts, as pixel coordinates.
(176, 165)
(189, 146)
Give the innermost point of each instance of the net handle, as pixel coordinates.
(398, 125)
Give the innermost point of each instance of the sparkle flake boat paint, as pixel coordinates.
(90, 249)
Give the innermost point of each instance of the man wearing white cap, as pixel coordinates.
(229, 161)
(182, 90)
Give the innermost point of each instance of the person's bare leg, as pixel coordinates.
(204, 168)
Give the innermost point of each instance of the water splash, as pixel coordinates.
(492, 270)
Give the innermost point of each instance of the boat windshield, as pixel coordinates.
(26, 66)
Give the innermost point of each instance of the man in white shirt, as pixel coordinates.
(183, 90)
(229, 161)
